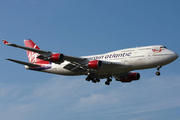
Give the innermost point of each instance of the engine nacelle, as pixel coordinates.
(133, 76)
(57, 57)
(95, 64)
(130, 77)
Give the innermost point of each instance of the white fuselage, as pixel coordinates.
(130, 59)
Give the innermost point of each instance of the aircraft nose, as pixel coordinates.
(175, 55)
(172, 56)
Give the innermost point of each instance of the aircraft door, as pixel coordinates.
(149, 55)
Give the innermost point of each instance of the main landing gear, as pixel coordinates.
(92, 77)
(158, 73)
(108, 81)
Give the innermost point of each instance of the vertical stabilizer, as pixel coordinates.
(32, 56)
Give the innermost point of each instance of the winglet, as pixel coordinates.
(5, 42)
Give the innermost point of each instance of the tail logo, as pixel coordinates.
(32, 55)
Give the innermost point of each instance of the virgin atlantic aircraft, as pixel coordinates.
(117, 64)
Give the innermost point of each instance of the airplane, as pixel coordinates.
(117, 64)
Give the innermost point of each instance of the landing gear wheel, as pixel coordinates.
(110, 80)
(88, 79)
(97, 80)
(158, 73)
(107, 83)
(94, 81)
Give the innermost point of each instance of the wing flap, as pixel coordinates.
(74, 67)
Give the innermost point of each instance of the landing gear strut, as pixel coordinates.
(108, 81)
(158, 73)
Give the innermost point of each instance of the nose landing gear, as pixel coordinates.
(158, 73)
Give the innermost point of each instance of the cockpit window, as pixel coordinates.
(163, 47)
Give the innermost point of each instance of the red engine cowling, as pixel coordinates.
(57, 57)
(133, 76)
(95, 64)
(130, 77)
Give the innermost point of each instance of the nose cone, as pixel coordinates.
(175, 56)
(171, 56)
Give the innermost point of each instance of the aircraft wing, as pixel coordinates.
(42, 52)
(23, 63)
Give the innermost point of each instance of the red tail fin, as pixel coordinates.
(32, 56)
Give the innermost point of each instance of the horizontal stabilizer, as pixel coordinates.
(23, 63)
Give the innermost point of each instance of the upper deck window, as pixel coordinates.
(163, 47)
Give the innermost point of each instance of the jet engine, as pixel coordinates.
(133, 76)
(130, 77)
(95, 64)
(57, 57)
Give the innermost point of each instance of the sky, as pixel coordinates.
(88, 27)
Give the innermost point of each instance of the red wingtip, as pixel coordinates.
(5, 42)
